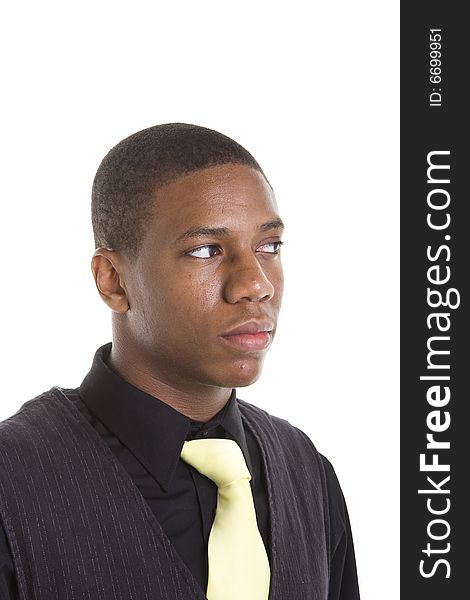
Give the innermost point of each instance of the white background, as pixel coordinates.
(311, 89)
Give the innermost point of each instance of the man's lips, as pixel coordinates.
(250, 336)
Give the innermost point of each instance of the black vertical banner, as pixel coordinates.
(435, 301)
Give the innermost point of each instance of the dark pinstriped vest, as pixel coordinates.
(79, 528)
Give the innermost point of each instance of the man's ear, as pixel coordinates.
(109, 279)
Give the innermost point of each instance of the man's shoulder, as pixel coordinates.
(33, 415)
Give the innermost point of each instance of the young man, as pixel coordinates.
(135, 485)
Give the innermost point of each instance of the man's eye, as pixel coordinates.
(271, 247)
(205, 251)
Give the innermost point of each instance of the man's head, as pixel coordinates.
(188, 237)
(123, 195)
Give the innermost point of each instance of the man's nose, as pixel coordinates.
(247, 281)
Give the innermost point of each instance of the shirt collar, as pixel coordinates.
(152, 430)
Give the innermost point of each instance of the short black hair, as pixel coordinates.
(124, 187)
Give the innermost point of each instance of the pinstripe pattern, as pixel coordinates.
(79, 528)
(298, 507)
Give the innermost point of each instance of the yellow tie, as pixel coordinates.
(238, 563)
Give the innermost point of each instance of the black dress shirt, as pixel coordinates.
(146, 436)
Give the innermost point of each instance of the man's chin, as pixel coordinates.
(243, 374)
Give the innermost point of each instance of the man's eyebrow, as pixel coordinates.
(195, 232)
(276, 224)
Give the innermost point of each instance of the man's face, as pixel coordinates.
(205, 291)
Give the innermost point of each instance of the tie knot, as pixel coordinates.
(219, 459)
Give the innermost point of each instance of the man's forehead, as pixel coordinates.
(208, 198)
(216, 180)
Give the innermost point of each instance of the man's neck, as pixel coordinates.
(198, 404)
